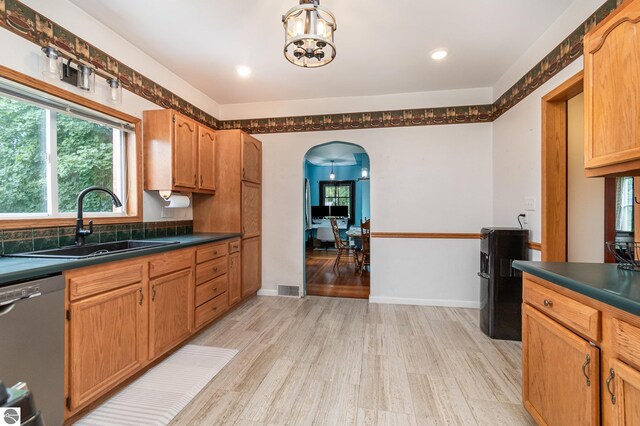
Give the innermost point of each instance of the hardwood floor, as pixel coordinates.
(323, 280)
(336, 361)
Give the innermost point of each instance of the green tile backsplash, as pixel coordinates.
(30, 239)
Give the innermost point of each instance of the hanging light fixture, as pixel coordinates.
(115, 90)
(332, 175)
(308, 35)
(86, 78)
(52, 63)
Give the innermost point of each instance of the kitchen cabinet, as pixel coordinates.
(612, 94)
(206, 159)
(212, 282)
(106, 331)
(170, 311)
(237, 205)
(235, 273)
(626, 385)
(179, 154)
(558, 369)
(251, 266)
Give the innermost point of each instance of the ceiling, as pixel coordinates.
(382, 47)
(342, 154)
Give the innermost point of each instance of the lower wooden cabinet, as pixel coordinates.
(560, 372)
(107, 339)
(170, 311)
(623, 391)
(251, 266)
(235, 279)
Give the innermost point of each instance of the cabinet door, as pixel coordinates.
(206, 159)
(185, 153)
(560, 373)
(251, 266)
(626, 391)
(107, 341)
(171, 311)
(251, 159)
(251, 209)
(612, 89)
(235, 279)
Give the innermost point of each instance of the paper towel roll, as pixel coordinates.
(178, 202)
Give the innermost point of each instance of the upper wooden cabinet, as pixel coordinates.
(206, 159)
(251, 159)
(612, 94)
(179, 154)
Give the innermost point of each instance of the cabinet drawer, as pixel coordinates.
(211, 252)
(210, 310)
(211, 269)
(170, 261)
(581, 318)
(211, 289)
(234, 246)
(97, 279)
(625, 341)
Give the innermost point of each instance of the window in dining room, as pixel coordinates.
(339, 193)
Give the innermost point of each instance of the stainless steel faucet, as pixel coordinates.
(80, 231)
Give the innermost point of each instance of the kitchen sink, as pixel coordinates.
(92, 250)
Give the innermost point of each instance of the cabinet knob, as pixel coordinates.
(215, 269)
(214, 308)
(548, 303)
(215, 289)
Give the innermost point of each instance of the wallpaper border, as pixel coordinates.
(33, 26)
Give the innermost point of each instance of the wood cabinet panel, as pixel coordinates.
(206, 159)
(578, 316)
(210, 310)
(235, 279)
(185, 151)
(211, 251)
(251, 266)
(171, 261)
(251, 209)
(107, 342)
(625, 341)
(211, 269)
(612, 89)
(560, 373)
(170, 311)
(86, 282)
(251, 159)
(211, 289)
(626, 390)
(234, 246)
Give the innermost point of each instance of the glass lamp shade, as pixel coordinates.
(86, 78)
(309, 31)
(51, 63)
(115, 91)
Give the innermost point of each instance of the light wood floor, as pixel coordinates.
(324, 280)
(334, 361)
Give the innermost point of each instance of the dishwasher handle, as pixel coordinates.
(6, 308)
(484, 275)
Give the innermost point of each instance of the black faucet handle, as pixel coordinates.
(90, 227)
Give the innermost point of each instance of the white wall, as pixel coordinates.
(424, 179)
(23, 56)
(585, 196)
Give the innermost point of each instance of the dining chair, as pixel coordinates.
(341, 245)
(365, 230)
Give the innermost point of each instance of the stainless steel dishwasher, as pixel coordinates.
(32, 341)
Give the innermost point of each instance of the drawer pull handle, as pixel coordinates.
(215, 269)
(584, 369)
(215, 289)
(141, 296)
(548, 303)
(612, 375)
(214, 308)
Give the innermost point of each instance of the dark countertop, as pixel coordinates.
(601, 281)
(22, 268)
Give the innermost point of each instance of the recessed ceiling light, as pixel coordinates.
(439, 54)
(243, 71)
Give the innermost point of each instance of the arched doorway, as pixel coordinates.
(336, 205)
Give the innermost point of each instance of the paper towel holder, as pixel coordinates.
(165, 195)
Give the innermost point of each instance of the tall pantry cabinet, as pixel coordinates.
(237, 205)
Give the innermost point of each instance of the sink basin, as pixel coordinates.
(91, 250)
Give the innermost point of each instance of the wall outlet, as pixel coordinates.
(530, 204)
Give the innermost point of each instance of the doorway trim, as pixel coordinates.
(554, 168)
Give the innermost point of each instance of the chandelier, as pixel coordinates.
(308, 34)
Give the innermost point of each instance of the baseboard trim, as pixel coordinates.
(267, 292)
(425, 302)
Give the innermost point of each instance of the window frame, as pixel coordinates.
(132, 211)
(352, 195)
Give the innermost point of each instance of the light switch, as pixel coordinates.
(530, 204)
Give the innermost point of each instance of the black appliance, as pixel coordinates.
(329, 211)
(500, 284)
